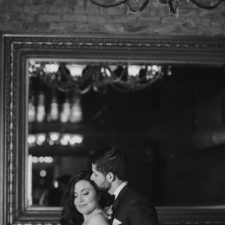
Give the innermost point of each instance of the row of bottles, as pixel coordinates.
(52, 111)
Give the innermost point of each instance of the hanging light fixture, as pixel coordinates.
(139, 5)
(81, 77)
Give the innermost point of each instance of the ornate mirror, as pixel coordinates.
(160, 99)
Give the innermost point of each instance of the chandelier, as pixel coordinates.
(139, 5)
(82, 77)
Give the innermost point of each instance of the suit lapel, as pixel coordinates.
(117, 200)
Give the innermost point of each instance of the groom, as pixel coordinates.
(109, 166)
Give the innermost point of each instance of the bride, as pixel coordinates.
(81, 203)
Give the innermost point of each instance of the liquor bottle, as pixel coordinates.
(31, 110)
(54, 110)
(41, 108)
(76, 112)
(66, 111)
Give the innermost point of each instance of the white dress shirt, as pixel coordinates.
(117, 191)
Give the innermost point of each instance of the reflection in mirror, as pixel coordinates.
(168, 118)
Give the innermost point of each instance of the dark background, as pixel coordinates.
(173, 132)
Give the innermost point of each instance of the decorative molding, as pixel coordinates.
(18, 48)
(121, 43)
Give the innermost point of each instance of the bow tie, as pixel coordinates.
(111, 199)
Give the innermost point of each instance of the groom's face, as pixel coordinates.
(100, 179)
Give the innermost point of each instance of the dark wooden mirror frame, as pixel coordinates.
(17, 49)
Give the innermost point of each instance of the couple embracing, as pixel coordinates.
(84, 200)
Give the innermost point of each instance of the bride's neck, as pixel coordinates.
(87, 216)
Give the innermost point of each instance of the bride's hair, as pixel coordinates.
(70, 215)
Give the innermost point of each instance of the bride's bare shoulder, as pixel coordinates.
(98, 219)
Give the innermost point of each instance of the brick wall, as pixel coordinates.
(69, 17)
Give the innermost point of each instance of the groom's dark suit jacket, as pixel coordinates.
(132, 209)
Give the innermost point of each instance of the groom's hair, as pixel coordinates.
(110, 159)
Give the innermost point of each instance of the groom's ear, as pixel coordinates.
(110, 177)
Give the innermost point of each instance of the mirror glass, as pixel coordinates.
(170, 120)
